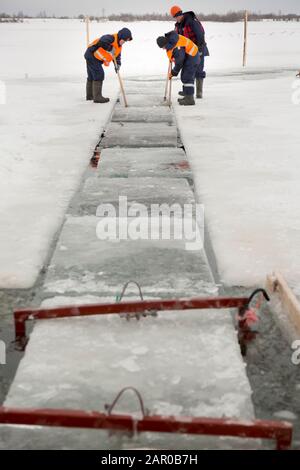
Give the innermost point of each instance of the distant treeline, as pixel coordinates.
(230, 17)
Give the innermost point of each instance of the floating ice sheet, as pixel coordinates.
(82, 263)
(143, 162)
(183, 363)
(140, 135)
(146, 191)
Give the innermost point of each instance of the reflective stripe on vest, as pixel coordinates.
(190, 47)
(103, 55)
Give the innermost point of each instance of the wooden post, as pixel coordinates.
(245, 39)
(87, 23)
(278, 287)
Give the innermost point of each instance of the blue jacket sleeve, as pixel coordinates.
(179, 56)
(199, 33)
(106, 42)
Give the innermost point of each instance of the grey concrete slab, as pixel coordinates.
(146, 191)
(165, 162)
(84, 264)
(146, 114)
(140, 135)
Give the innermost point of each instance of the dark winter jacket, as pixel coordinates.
(107, 42)
(179, 53)
(192, 28)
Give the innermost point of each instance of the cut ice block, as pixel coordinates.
(140, 135)
(82, 263)
(182, 363)
(145, 100)
(136, 114)
(146, 191)
(143, 162)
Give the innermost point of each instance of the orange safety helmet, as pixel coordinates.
(176, 11)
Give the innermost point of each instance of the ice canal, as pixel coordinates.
(181, 364)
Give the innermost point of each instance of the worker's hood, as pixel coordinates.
(125, 34)
(172, 38)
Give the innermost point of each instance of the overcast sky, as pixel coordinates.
(94, 7)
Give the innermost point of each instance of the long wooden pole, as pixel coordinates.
(167, 81)
(245, 39)
(170, 93)
(121, 84)
(87, 23)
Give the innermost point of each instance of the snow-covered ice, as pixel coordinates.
(243, 144)
(47, 135)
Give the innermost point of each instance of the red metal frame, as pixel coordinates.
(21, 316)
(257, 429)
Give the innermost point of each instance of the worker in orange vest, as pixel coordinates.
(184, 54)
(102, 52)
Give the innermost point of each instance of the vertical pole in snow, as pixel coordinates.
(245, 39)
(87, 23)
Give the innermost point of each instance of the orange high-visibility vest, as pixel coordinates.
(190, 47)
(107, 56)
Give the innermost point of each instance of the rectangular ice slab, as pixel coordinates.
(146, 191)
(140, 135)
(145, 87)
(82, 263)
(182, 363)
(168, 163)
(146, 100)
(147, 114)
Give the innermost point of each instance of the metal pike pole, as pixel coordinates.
(121, 84)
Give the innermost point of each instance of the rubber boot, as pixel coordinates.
(188, 100)
(199, 87)
(97, 93)
(89, 90)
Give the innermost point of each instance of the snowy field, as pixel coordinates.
(242, 140)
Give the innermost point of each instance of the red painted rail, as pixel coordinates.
(257, 429)
(21, 316)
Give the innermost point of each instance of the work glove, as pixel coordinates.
(173, 74)
(117, 67)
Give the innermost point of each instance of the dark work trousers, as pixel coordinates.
(94, 67)
(188, 73)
